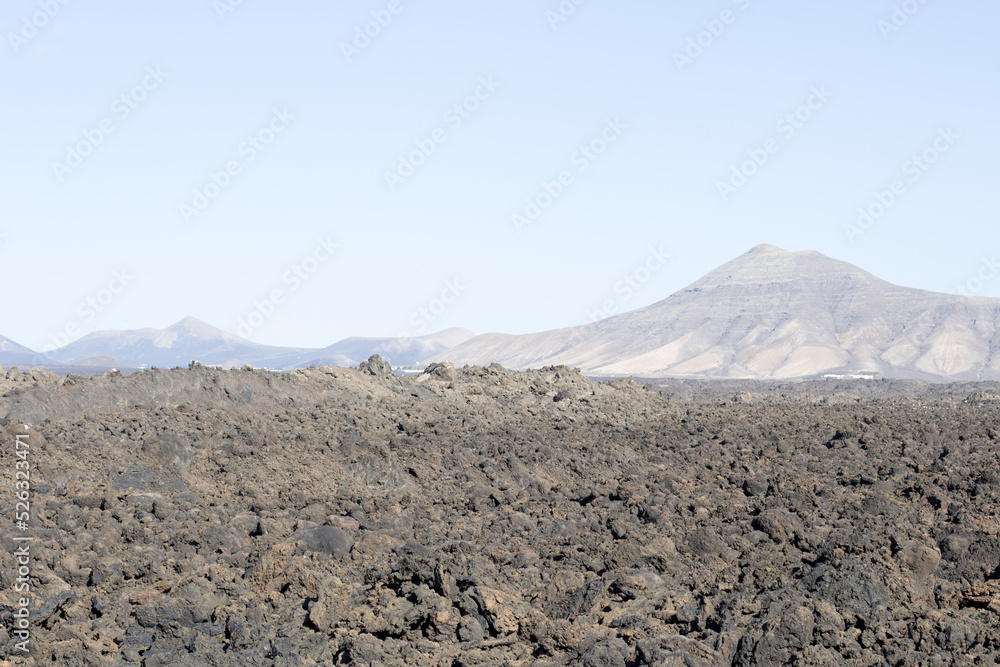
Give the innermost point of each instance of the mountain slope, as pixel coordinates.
(177, 345)
(15, 354)
(194, 340)
(772, 314)
(398, 351)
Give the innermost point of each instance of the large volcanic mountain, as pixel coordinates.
(772, 314)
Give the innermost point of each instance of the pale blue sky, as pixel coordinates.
(323, 176)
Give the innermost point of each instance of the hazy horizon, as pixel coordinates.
(513, 162)
(624, 289)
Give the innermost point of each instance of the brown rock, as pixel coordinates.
(779, 524)
(141, 595)
(827, 618)
(920, 559)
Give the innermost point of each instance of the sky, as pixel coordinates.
(299, 172)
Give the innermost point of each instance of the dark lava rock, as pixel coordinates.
(440, 371)
(325, 540)
(136, 477)
(482, 516)
(168, 449)
(778, 524)
(607, 653)
(376, 366)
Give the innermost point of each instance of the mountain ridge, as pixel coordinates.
(771, 314)
(13, 353)
(178, 344)
(191, 339)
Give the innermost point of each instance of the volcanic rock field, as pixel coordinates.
(481, 516)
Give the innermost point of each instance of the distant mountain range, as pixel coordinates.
(772, 314)
(399, 351)
(13, 354)
(177, 345)
(766, 314)
(193, 340)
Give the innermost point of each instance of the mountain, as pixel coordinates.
(14, 354)
(99, 361)
(398, 351)
(193, 340)
(177, 345)
(772, 314)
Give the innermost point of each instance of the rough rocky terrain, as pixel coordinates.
(481, 516)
